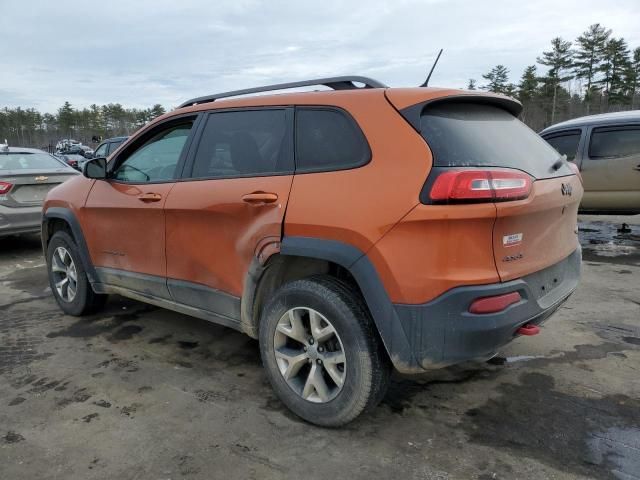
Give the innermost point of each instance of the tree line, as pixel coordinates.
(28, 127)
(596, 73)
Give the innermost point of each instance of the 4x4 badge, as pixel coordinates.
(566, 189)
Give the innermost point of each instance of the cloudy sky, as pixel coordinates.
(141, 52)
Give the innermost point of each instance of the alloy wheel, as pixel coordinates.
(310, 355)
(65, 276)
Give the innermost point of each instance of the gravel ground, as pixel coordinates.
(141, 392)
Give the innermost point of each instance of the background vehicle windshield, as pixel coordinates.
(28, 161)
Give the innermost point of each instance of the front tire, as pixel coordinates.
(68, 279)
(321, 351)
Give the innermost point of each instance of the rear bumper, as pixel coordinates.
(18, 220)
(442, 332)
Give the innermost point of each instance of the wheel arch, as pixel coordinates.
(60, 218)
(312, 256)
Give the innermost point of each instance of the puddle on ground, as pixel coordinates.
(618, 448)
(610, 242)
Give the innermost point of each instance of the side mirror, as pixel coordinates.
(95, 168)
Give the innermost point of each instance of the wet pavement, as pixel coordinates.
(140, 392)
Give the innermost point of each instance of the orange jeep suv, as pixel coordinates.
(350, 230)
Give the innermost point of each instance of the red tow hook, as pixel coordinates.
(528, 329)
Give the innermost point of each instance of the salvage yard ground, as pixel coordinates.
(141, 392)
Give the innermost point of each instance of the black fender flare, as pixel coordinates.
(375, 295)
(69, 217)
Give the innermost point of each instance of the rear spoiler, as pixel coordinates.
(413, 113)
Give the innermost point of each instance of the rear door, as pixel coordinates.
(529, 233)
(229, 205)
(611, 169)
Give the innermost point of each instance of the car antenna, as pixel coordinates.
(426, 82)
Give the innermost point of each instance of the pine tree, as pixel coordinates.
(613, 69)
(498, 79)
(559, 61)
(157, 110)
(66, 118)
(528, 86)
(589, 55)
(472, 84)
(632, 77)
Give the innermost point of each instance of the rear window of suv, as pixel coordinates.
(464, 134)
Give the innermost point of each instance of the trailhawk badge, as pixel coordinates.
(510, 240)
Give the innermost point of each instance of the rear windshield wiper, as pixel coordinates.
(558, 163)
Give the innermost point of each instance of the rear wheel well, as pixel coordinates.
(281, 269)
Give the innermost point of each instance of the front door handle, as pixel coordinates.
(259, 198)
(637, 167)
(150, 197)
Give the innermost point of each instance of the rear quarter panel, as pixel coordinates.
(359, 206)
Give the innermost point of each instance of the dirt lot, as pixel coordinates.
(140, 392)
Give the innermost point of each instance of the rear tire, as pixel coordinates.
(306, 328)
(68, 279)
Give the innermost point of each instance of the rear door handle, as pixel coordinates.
(637, 167)
(150, 197)
(259, 198)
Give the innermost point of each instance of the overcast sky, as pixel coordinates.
(141, 52)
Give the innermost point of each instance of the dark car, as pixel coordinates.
(109, 146)
(74, 160)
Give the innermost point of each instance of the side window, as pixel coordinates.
(328, 139)
(612, 142)
(101, 151)
(566, 143)
(156, 159)
(113, 146)
(244, 143)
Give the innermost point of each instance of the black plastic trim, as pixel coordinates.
(205, 298)
(151, 285)
(68, 216)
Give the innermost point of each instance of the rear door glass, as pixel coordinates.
(464, 134)
(566, 143)
(612, 142)
(244, 143)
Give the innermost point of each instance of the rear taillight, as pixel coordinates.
(5, 187)
(480, 186)
(576, 170)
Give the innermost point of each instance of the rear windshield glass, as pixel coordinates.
(28, 161)
(474, 135)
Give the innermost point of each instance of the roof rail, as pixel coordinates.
(336, 83)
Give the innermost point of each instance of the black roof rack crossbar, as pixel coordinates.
(336, 83)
